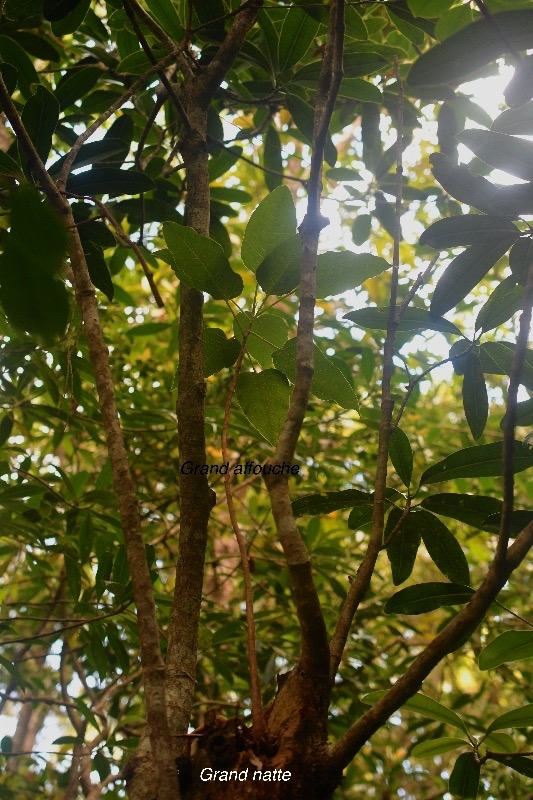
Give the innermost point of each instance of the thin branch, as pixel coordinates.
(361, 582)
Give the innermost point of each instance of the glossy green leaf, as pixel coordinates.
(401, 455)
(39, 116)
(413, 319)
(471, 48)
(517, 121)
(520, 257)
(466, 229)
(464, 778)
(484, 460)
(12, 53)
(111, 181)
(303, 117)
(361, 229)
(423, 705)
(329, 382)
(503, 303)
(472, 509)
(279, 272)
(442, 546)
(200, 262)
(516, 522)
(71, 21)
(264, 399)
(435, 747)
(164, 11)
(429, 8)
(326, 502)
(509, 646)
(269, 332)
(272, 159)
(424, 597)
(459, 182)
(402, 547)
(475, 397)
(273, 221)
(508, 153)
(464, 273)
(341, 271)
(219, 351)
(500, 742)
(518, 718)
(519, 763)
(297, 35)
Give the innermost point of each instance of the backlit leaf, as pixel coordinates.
(467, 229)
(109, 180)
(413, 319)
(273, 221)
(508, 153)
(518, 718)
(279, 272)
(264, 399)
(341, 271)
(508, 646)
(503, 303)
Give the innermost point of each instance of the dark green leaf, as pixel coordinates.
(508, 153)
(471, 48)
(269, 332)
(71, 21)
(520, 257)
(222, 161)
(98, 269)
(412, 319)
(458, 181)
(524, 413)
(111, 181)
(303, 117)
(497, 359)
(464, 779)
(401, 455)
(358, 89)
(468, 229)
(442, 546)
(464, 273)
(200, 262)
(343, 175)
(272, 158)
(39, 116)
(55, 10)
(279, 272)
(503, 303)
(8, 166)
(219, 351)
(297, 34)
(147, 329)
(18, 10)
(13, 54)
(520, 88)
(426, 597)
(423, 705)
(484, 460)
(518, 121)
(264, 399)
(73, 572)
(91, 153)
(76, 84)
(361, 229)
(327, 502)
(475, 397)
(519, 763)
(6, 426)
(435, 747)
(500, 742)
(165, 13)
(356, 65)
(360, 516)
(472, 509)
(518, 718)
(516, 522)
(508, 646)
(339, 272)
(402, 547)
(273, 221)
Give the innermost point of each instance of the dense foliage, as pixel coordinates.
(423, 303)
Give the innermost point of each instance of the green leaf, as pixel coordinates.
(514, 200)
(435, 747)
(338, 272)
(467, 229)
(356, 65)
(343, 175)
(147, 329)
(412, 319)
(517, 121)
(465, 272)
(360, 516)
(55, 10)
(329, 383)
(500, 742)
(39, 116)
(272, 158)
(423, 705)
(273, 221)
(426, 597)
(73, 573)
(509, 646)
(464, 779)
(269, 332)
(524, 414)
(165, 13)
(520, 257)
(361, 229)
(18, 10)
(219, 351)
(519, 89)
(264, 399)
(472, 509)
(518, 718)
(91, 153)
(279, 272)
(471, 48)
(221, 162)
(326, 502)
(98, 269)
(76, 84)
(401, 455)
(497, 359)
(458, 181)
(402, 548)
(297, 34)
(475, 397)
(358, 89)
(12, 53)
(484, 460)
(503, 303)
(71, 21)
(85, 535)
(442, 546)
(519, 763)
(429, 8)
(508, 153)
(200, 262)
(8, 166)
(111, 181)
(303, 117)
(452, 21)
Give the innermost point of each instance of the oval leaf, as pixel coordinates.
(264, 399)
(401, 455)
(509, 646)
(464, 780)
(475, 397)
(219, 351)
(457, 180)
(426, 597)
(273, 221)
(200, 262)
(111, 181)
(403, 547)
(279, 273)
(269, 332)
(442, 546)
(413, 319)
(339, 272)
